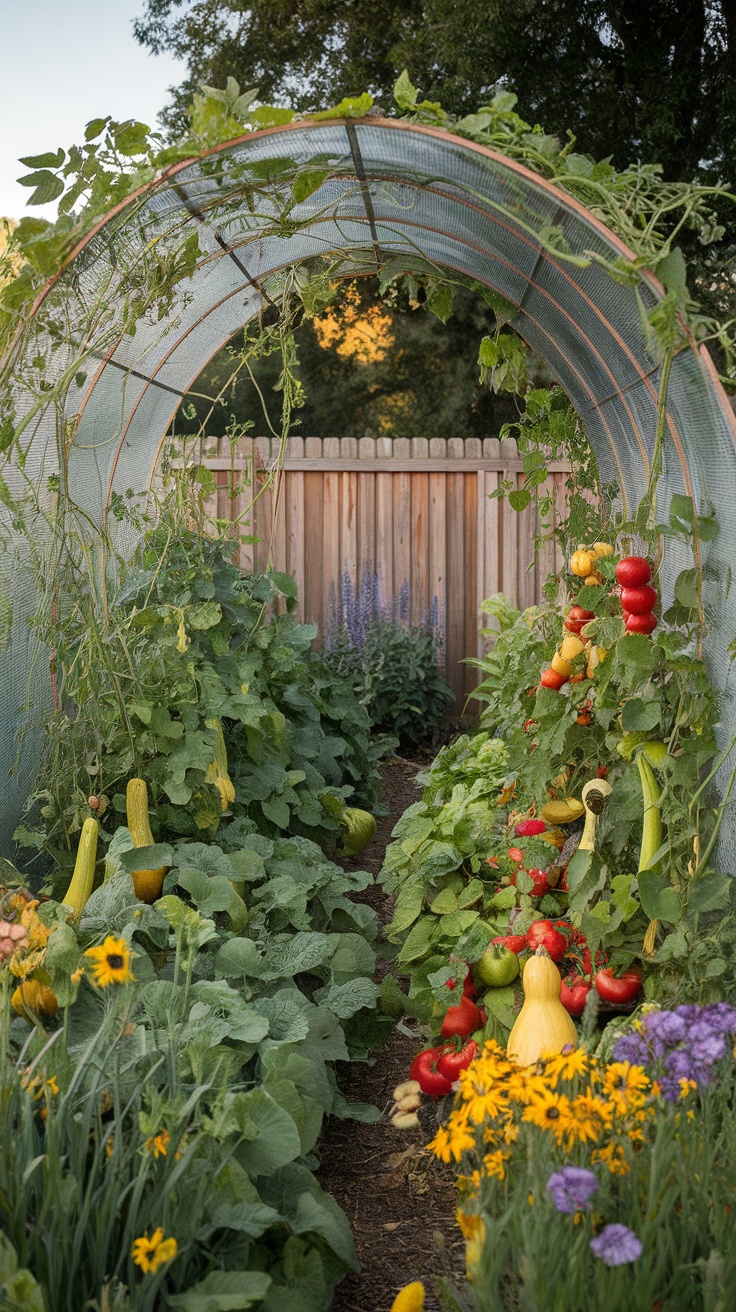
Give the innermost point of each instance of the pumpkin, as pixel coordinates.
(147, 883)
(78, 893)
(543, 1027)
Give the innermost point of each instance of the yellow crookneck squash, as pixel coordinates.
(147, 883)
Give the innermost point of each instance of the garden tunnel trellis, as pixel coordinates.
(391, 191)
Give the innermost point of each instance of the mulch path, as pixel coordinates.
(399, 1199)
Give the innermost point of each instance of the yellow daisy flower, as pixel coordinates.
(549, 1111)
(613, 1155)
(590, 1116)
(495, 1163)
(111, 962)
(568, 1064)
(623, 1079)
(158, 1143)
(150, 1254)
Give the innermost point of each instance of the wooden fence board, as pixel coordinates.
(415, 512)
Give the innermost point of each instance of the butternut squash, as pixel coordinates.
(78, 893)
(147, 883)
(543, 1027)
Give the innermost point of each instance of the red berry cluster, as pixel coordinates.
(638, 598)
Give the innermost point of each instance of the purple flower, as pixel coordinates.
(708, 1048)
(616, 1244)
(632, 1048)
(572, 1188)
(666, 1025)
(721, 1017)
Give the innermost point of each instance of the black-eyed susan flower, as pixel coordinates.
(150, 1254)
(111, 962)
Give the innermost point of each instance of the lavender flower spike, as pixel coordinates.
(572, 1188)
(616, 1245)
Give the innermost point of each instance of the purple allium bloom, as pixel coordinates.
(632, 1048)
(616, 1244)
(572, 1188)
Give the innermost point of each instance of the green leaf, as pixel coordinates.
(686, 588)
(659, 900)
(271, 1137)
(640, 714)
(239, 958)
(47, 186)
(418, 940)
(672, 270)
(407, 907)
(520, 499)
(52, 159)
(146, 858)
(223, 1291)
(203, 616)
(709, 892)
(439, 300)
(345, 999)
(681, 508)
(305, 184)
(405, 94)
(95, 127)
(444, 902)
(131, 138)
(349, 107)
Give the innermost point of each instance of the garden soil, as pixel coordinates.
(399, 1199)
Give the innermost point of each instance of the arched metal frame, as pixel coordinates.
(393, 191)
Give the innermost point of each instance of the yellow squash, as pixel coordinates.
(78, 893)
(543, 1027)
(147, 883)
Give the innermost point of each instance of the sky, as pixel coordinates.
(76, 60)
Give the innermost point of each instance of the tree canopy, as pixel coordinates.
(633, 80)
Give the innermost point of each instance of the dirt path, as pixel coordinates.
(399, 1199)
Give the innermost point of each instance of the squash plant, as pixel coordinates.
(189, 661)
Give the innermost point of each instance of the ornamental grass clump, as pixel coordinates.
(587, 1184)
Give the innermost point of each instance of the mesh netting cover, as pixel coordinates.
(392, 191)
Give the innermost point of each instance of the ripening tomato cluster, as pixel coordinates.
(638, 598)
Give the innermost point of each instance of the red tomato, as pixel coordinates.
(619, 988)
(469, 989)
(583, 718)
(516, 854)
(541, 883)
(633, 571)
(642, 623)
(452, 1061)
(573, 994)
(424, 1070)
(551, 679)
(602, 772)
(542, 934)
(527, 828)
(514, 942)
(577, 616)
(461, 1020)
(637, 601)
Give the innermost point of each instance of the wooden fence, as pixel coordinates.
(413, 512)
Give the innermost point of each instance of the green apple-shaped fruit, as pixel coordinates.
(498, 966)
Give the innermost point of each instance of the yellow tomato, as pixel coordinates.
(593, 579)
(602, 548)
(581, 563)
(561, 666)
(571, 647)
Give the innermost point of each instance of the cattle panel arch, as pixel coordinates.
(388, 190)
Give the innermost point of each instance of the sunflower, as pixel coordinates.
(590, 1116)
(111, 962)
(150, 1254)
